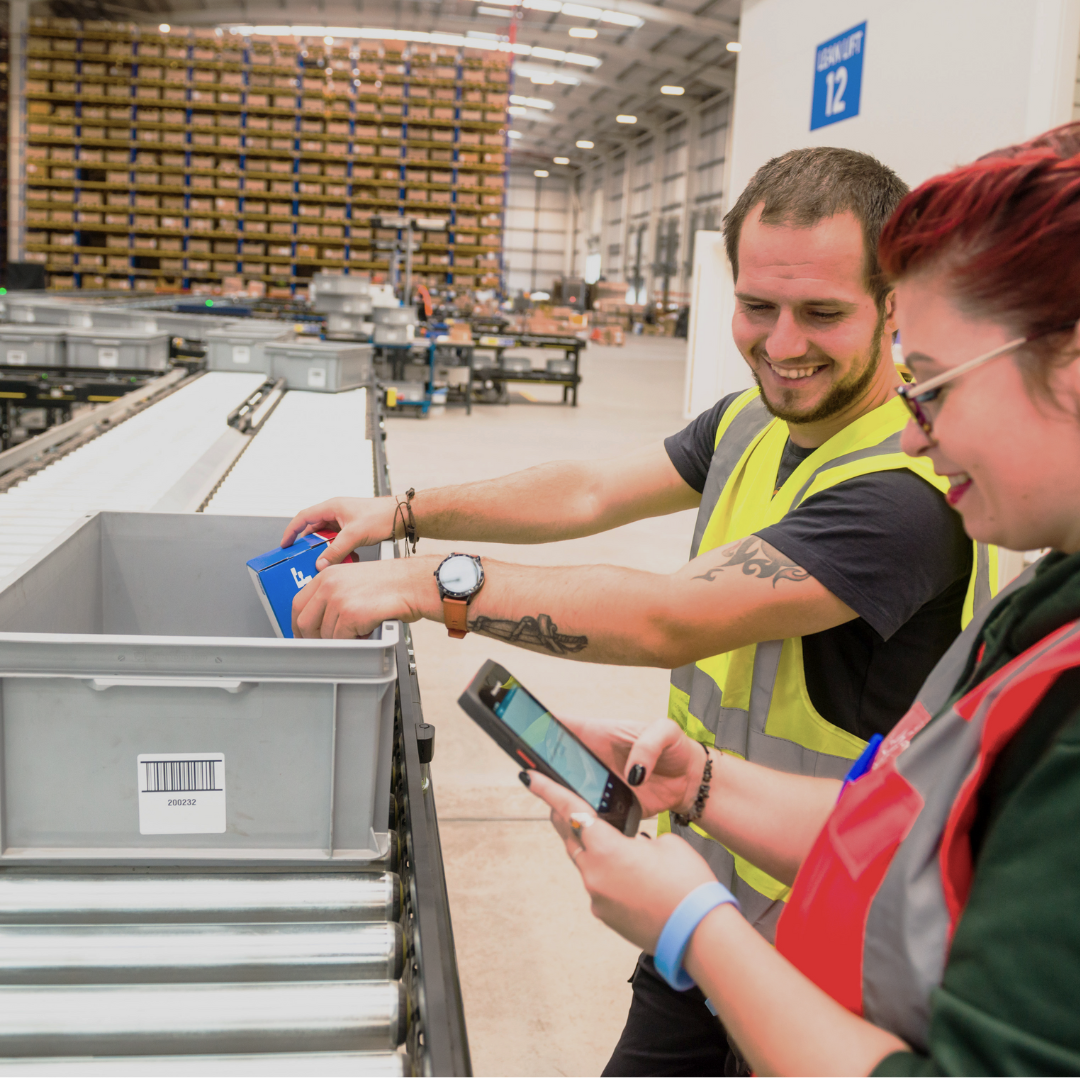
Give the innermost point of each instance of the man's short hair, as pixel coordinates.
(804, 187)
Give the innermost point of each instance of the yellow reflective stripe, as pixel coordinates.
(679, 711)
(756, 878)
(792, 715)
(732, 411)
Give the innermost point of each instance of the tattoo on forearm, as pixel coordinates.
(757, 559)
(539, 631)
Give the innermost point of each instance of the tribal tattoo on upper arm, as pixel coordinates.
(540, 632)
(757, 559)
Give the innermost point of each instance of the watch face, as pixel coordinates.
(459, 574)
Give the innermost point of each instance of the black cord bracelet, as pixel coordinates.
(702, 795)
(408, 523)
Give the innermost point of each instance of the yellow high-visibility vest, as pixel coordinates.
(753, 701)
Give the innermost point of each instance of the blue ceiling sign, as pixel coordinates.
(838, 77)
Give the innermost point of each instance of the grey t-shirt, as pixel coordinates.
(890, 547)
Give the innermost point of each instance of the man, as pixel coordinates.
(827, 573)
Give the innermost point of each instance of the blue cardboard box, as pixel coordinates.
(280, 574)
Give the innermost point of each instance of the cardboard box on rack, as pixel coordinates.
(280, 574)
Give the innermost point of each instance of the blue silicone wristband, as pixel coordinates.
(680, 927)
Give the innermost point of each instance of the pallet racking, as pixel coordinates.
(177, 160)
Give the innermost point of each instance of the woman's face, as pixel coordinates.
(1013, 461)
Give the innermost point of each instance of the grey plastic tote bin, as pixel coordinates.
(348, 324)
(48, 311)
(32, 346)
(138, 667)
(241, 347)
(394, 316)
(133, 350)
(124, 319)
(326, 366)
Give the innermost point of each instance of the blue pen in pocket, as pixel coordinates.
(863, 763)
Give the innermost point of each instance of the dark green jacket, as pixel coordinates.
(1009, 1002)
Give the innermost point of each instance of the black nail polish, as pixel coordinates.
(637, 774)
(645, 834)
(524, 777)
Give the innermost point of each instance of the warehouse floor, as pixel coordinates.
(544, 983)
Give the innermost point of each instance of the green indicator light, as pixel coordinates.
(209, 303)
(3, 292)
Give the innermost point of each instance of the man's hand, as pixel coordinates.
(358, 523)
(662, 765)
(349, 601)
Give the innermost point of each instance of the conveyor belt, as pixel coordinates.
(312, 447)
(131, 467)
(222, 973)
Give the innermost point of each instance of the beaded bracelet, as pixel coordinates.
(702, 795)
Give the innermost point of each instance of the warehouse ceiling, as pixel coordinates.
(577, 66)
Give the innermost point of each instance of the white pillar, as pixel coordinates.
(942, 83)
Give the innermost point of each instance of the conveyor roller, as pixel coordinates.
(200, 952)
(201, 1018)
(202, 898)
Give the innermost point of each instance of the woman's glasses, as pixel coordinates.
(918, 396)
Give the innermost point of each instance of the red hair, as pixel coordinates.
(1006, 229)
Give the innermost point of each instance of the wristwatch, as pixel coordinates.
(460, 578)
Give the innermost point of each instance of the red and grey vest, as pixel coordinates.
(874, 907)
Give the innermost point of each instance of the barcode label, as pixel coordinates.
(181, 793)
(180, 775)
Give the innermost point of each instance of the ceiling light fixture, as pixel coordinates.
(584, 144)
(485, 10)
(580, 11)
(540, 173)
(734, 46)
(517, 110)
(164, 27)
(582, 32)
(514, 134)
(328, 40)
(532, 102)
(673, 91)
(561, 160)
(542, 80)
(625, 118)
(422, 37)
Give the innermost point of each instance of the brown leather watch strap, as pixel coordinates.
(456, 617)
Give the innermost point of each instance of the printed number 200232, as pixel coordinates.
(181, 802)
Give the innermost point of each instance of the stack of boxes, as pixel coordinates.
(191, 158)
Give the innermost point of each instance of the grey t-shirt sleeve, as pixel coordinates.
(691, 449)
(885, 543)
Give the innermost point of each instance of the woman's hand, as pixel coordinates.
(661, 764)
(634, 883)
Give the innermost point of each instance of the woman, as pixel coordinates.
(934, 921)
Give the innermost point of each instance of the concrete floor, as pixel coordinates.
(544, 983)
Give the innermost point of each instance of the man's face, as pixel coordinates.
(804, 321)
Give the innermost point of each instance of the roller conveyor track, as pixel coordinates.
(322, 973)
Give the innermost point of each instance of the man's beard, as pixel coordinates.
(841, 396)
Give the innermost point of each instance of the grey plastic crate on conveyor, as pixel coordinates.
(117, 348)
(108, 318)
(324, 366)
(241, 346)
(348, 324)
(47, 311)
(32, 346)
(135, 648)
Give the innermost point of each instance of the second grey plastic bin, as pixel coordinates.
(32, 346)
(131, 350)
(242, 347)
(138, 667)
(326, 366)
